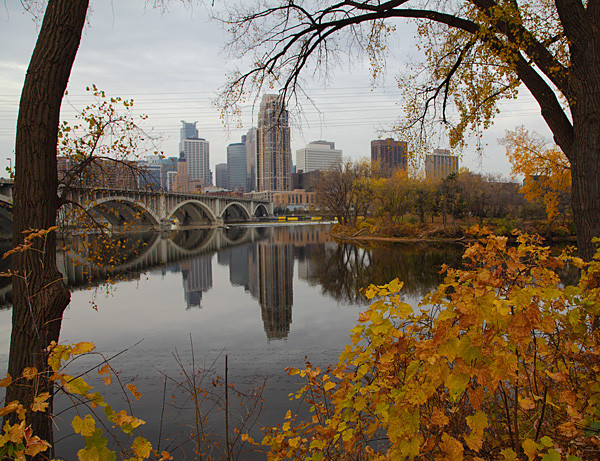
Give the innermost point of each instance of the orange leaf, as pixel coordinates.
(134, 391)
(6, 381)
(35, 446)
(29, 373)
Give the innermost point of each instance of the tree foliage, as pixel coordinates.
(356, 189)
(499, 362)
(104, 133)
(546, 170)
(18, 441)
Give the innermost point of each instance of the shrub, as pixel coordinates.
(500, 363)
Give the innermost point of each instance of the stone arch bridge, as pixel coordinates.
(154, 209)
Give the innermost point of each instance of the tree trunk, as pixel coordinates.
(585, 150)
(585, 196)
(40, 296)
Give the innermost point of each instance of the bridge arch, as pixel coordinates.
(191, 212)
(235, 211)
(233, 235)
(126, 210)
(192, 243)
(260, 210)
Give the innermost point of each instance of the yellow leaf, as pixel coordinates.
(39, 403)
(126, 422)
(141, 447)
(36, 445)
(451, 447)
(457, 383)
(328, 386)
(247, 438)
(16, 432)
(509, 454)
(477, 423)
(294, 442)
(530, 448)
(362, 317)
(83, 347)
(85, 426)
(9, 408)
(5, 381)
(164, 456)
(402, 310)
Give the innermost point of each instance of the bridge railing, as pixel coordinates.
(125, 191)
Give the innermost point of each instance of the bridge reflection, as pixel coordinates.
(94, 259)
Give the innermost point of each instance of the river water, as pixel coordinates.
(179, 302)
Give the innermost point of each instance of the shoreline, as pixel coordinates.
(445, 240)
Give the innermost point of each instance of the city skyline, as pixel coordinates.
(172, 68)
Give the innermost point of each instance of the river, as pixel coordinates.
(178, 302)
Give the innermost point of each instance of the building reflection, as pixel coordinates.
(197, 279)
(265, 268)
(238, 260)
(275, 287)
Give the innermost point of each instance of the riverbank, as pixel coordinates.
(370, 231)
(370, 238)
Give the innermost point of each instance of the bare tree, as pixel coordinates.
(345, 191)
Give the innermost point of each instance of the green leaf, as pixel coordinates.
(552, 455)
(546, 441)
(457, 383)
(509, 454)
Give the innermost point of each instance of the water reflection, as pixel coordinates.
(342, 270)
(260, 259)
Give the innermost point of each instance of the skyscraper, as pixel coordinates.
(188, 131)
(221, 175)
(273, 160)
(236, 165)
(251, 152)
(318, 155)
(440, 164)
(195, 151)
(391, 155)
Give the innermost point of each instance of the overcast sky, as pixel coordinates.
(172, 65)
